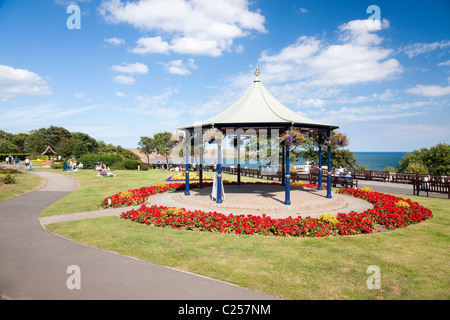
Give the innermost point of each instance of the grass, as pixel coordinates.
(25, 183)
(92, 190)
(413, 261)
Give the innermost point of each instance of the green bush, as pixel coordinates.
(9, 179)
(91, 159)
(57, 165)
(118, 166)
(132, 164)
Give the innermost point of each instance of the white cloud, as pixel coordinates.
(115, 41)
(194, 27)
(446, 63)
(30, 116)
(179, 67)
(421, 47)
(358, 58)
(155, 105)
(377, 112)
(124, 80)
(120, 94)
(135, 68)
(80, 95)
(21, 81)
(430, 90)
(151, 45)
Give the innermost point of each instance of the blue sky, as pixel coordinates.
(140, 67)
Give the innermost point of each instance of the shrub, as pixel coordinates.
(57, 165)
(9, 179)
(416, 167)
(91, 159)
(118, 166)
(132, 164)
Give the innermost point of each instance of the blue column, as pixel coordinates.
(319, 181)
(282, 166)
(186, 186)
(329, 173)
(200, 173)
(287, 200)
(219, 174)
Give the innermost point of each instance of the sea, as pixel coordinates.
(375, 161)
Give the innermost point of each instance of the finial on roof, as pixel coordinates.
(256, 73)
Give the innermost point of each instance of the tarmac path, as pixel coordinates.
(37, 265)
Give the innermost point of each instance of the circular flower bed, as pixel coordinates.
(389, 212)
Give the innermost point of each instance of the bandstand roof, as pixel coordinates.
(257, 108)
(48, 151)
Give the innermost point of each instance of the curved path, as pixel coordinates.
(34, 262)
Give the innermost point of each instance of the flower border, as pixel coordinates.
(390, 212)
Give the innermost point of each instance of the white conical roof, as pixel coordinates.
(258, 108)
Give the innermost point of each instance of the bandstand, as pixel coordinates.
(257, 111)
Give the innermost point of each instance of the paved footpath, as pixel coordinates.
(34, 263)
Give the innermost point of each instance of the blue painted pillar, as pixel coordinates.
(319, 181)
(287, 200)
(200, 173)
(186, 184)
(219, 174)
(329, 172)
(283, 156)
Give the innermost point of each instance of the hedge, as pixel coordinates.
(91, 159)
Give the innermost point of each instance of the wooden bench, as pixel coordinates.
(346, 182)
(405, 177)
(431, 186)
(384, 175)
(361, 174)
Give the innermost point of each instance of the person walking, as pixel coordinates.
(17, 162)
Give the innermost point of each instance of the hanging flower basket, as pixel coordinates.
(337, 140)
(175, 140)
(291, 138)
(213, 135)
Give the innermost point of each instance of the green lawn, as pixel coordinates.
(92, 190)
(413, 261)
(25, 183)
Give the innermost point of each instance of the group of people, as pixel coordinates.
(343, 173)
(13, 161)
(104, 170)
(72, 166)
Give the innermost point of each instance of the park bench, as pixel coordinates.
(361, 174)
(383, 175)
(405, 177)
(431, 186)
(346, 182)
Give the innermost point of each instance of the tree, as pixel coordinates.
(80, 149)
(147, 146)
(65, 147)
(163, 146)
(435, 160)
(339, 157)
(90, 143)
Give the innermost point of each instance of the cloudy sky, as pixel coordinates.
(127, 69)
